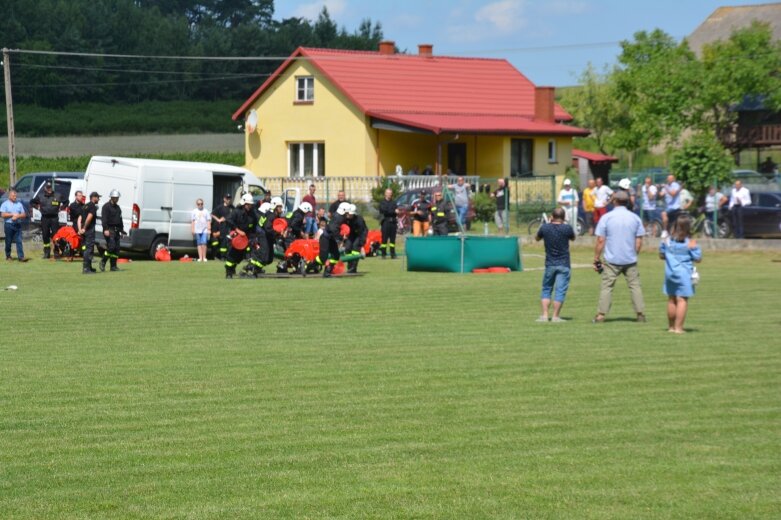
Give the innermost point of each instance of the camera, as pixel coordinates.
(598, 266)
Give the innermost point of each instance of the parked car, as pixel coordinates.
(67, 189)
(28, 186)
(762, 219)
(405, 200)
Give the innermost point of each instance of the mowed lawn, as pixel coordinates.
(166, 391)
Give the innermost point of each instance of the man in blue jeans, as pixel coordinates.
(13, 214)
(557, 236)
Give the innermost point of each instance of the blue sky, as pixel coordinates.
(511, 29)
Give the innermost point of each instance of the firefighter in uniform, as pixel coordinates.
(296, 222)
(220, 229)
(86, 225)
(49, 204)
(329, 240)
(113, 229)
(388, 213)
(353, 245)
(243, 221)
(441, 211)
(268, 237)
(75, 211)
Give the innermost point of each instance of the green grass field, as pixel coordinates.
(166, 391)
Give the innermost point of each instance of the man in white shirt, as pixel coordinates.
(648, 192)
(739, 198)
(568, 200)
(601, 199)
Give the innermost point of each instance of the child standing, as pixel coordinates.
(679, 252)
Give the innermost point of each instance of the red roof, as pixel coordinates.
(435, 93)
(593, 157)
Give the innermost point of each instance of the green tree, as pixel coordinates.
(656, 84)
(594, 105)
(702, 162)
(747, 65)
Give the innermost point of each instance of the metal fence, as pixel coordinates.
(531, 191)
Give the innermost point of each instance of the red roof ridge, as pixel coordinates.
(377, 54)
(377, 111)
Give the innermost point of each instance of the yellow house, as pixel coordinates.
(338, 113)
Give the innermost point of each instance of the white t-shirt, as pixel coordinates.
(712, 201)
(649, 197)
(686, 198)
(602, 196)
(200, 219)
(741, 197)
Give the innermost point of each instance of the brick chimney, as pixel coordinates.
(543, 104)
(425, 49)
(387, 47)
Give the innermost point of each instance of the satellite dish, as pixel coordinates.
(252, 121)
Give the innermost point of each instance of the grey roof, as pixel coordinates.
(724, 20)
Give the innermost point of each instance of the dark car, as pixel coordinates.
(27, 186)
(762, 219)
(405, 200)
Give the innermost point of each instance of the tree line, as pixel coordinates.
(156, 28)
(661, 93)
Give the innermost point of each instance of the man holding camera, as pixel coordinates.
(620, 237)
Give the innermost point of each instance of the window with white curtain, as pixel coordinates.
(306, 159)
(305, 88)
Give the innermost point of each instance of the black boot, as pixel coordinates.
(87, 270)
(114, 267)
(46, 253)
(328, 270)
(102, 264)
(393, 252)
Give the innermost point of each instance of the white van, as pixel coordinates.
(157, 197)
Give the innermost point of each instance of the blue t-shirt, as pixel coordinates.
(672, 202)
(556, 238)
(620, 228)
(11, 207)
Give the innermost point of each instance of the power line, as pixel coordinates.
(139, 71)
(116, 84)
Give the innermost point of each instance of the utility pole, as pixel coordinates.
(9, 114)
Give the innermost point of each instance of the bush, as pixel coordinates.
(378, 192)
(485, 207)
(702, 162)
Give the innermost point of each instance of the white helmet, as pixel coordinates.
(305, 207)
(265, 207)
(625, 183)
(343, 208)
(114, 194)
(276, 201)
(353, 209)
(247, 199)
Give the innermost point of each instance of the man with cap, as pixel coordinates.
(113, 229)
(420, 210)
(220, 228)
(49, 204)
(620, 237)
(568, 200)
(86, 228)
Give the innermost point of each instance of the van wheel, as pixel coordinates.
(162, 239)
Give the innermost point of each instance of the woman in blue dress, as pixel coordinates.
(679, 253)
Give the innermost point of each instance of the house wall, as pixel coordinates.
(331, 119)
(354, 148)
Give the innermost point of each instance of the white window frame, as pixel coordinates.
(305, 89)
(301, 159)
(552, 152)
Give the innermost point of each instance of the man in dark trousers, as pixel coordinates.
(49, 204)
(329, 240)
(388, 224)
(113, 229)
(86, 227)
(75, 209)
(441, 211)
(355, 241)
(243, 221)
(220, 228)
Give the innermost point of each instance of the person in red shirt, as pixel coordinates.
(310, 222)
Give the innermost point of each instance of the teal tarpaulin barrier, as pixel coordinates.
(462, 254)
